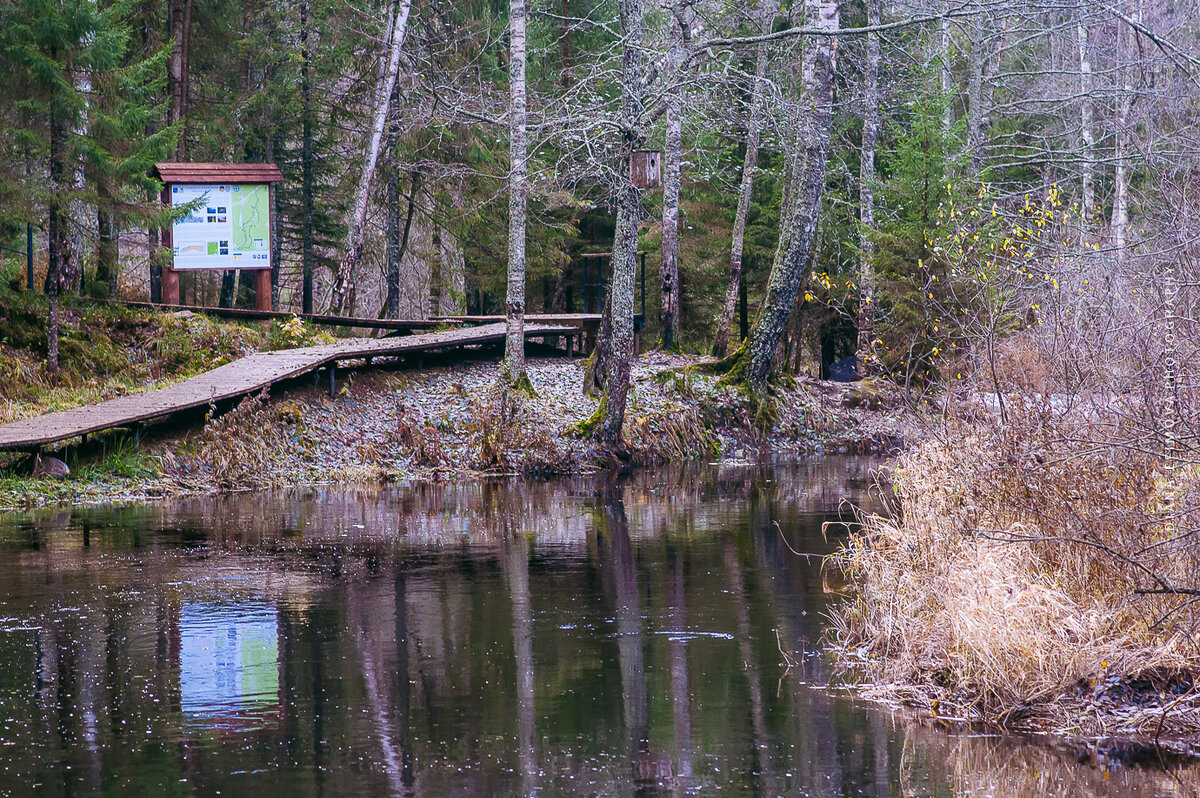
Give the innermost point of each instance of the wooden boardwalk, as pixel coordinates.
(244, 376)
(399, 325)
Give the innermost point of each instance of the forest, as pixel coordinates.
(982, 209)
(848, 175)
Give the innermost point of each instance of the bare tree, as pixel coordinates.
(754, 122)
(866, 194)
(806, 174)
(680, 34)
(397, 22)
(619, 362)
(518, 193)
(1087, 133)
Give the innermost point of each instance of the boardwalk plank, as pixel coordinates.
(244, 376)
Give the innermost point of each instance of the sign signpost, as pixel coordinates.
(227, 223)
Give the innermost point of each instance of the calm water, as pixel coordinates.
(582, 636)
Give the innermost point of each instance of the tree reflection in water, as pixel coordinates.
(580, 636)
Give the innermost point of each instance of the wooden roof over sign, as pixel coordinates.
(218, 172)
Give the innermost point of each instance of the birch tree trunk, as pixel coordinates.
(619, 361)
(799, 228)
(1087, 204)
(947, 79)
(745, 191)
(518, 193)
(987, 47)
(975, 113)
(866, 197)
(1120, 211)
(672, 176)
(343, 287)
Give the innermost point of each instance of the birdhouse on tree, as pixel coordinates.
(645, 168)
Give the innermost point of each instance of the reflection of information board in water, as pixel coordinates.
(228, 661)
(229, 227)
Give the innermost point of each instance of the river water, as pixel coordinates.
(585, 636)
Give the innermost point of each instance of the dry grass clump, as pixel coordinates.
(508, 435)
(1040, 572)
(681, 433)
(237, 450)
(422, 441)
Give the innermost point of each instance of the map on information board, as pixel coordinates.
(228, 229)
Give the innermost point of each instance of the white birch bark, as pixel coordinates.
(1087, 203)
(745, 191)
(946, 78)
(343, 288)
(866, 196)
(518, 192)
(672, 177)
(1120, 211)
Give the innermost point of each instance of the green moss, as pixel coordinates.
(588, 427)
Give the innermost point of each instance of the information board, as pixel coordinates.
(229, 227)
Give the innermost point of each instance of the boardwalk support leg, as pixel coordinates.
(332, 381)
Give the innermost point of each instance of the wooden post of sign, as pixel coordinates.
(170, 277)
(262, 290)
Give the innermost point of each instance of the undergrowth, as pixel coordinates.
(1041, 573)
(107, 350)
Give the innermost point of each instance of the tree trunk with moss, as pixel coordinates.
(619, 354)
(753, 361)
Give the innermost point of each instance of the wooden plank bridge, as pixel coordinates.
(249, 375)
(588, 321)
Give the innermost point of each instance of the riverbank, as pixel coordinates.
(453, 421)
(1037, 575)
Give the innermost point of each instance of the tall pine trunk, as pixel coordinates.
(401, 238)
(343, 286)
(733, 288)
(518, 191)
(619, 361)
(108, 252)
(56, 233)
(391, 302)
(306, 167)
(807, 174)
(866, 196)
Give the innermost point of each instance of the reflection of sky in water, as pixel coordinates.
(228, 660)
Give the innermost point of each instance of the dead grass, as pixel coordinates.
(508, 435)
(1037, 574)
(237, 450)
